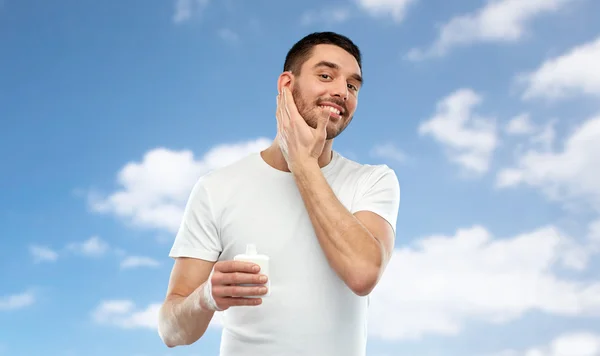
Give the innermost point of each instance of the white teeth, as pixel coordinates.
(330, 108)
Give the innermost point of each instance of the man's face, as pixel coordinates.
(328, 84)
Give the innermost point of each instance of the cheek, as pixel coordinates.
(351, 105)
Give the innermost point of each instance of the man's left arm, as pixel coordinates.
(358, 245)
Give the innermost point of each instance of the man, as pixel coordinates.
(327, 224)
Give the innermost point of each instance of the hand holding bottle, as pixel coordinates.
(234, 283)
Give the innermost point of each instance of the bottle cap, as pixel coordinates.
(251, 249)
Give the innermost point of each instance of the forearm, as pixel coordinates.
(183, 320)
(353, 252)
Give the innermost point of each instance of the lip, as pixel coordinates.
(342, 112)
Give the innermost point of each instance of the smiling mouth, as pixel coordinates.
(331, 109)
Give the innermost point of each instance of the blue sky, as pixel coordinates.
(487, 111)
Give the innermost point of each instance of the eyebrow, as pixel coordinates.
(332, 65)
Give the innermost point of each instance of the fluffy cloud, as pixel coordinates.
(496, 21)
(333, 14)
(473, 276)
(595, 231)
(569, 175)
(185, 9)
(138, 261)
(153, 192)
(520, 125)
(123, 314)
(395, 8)
(388, 151)
(92, 247)
(579, 343)
(573, 73)
(468, 139)
(43, 254)
(16, 301)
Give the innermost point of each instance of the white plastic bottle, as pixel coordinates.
(252, 255)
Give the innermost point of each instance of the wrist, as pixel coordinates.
(303, 165)
(201, 302)
(204, 299)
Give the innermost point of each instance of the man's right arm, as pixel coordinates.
(182, 318)
(192, 298)
(184, 315)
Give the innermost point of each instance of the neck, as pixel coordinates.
(273, 157)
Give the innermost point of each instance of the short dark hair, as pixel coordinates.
(301, 50)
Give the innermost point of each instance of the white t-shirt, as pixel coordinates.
(310, 311)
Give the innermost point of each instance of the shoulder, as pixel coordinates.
(376, 189)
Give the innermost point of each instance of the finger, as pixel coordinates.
(281, 126)
(278, 109)
(236, 266)
(239, 291)
(238, 301)
(287, 104)
(322, 124)
(280, 118)
(239, 278)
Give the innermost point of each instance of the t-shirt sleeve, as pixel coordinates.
(198, 234)
(380, 194)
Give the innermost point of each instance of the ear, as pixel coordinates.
(285, 80)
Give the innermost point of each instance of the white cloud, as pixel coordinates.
(496, 21)
(573, 73)
(569, 175)
(16, 301)
(92, 247)
(577, 343)
(123, 314)
(185, 9)
(594, 231)
(474, 277)
(43, 254)
(388, 151)
(468, 139)
(139, 261)
(153, 192)
(545, 136)
(520, 125)
(333, 14)
(394, 8)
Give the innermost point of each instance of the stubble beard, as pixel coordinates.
(312, 113)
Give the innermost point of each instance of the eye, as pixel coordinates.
(353, 87)
(325, 76)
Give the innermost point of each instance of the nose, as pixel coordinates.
(340, 89)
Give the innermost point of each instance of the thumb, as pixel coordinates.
(322, 124)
